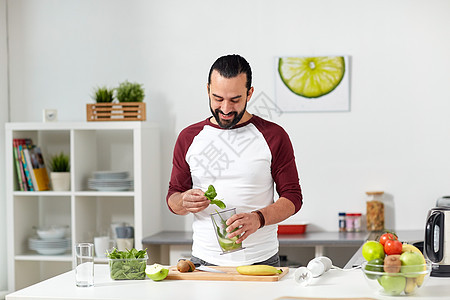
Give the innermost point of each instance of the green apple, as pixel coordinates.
(156, 272)
(375, 265)
(372, 250)
(392, 285)
(412, 262)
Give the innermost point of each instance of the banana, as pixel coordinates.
(420, 279)
(258, 270)
(410, 285)
(408, 247)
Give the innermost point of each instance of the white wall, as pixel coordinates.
(3, 120)
(395, 138)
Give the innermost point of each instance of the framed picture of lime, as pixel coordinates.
(313, 83)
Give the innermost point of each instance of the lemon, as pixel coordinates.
(311, 77)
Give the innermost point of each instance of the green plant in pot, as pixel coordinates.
(103, 95)
(130, 92)
(60, 172)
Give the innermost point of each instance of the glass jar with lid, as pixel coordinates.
(342, 225)
(375, 211)
(353, 222)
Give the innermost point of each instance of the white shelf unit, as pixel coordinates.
(96, 146)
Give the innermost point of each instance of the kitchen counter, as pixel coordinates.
(173, 240)
(334, 283)
(306, 239)
(318, 240)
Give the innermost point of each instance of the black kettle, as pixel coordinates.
(437, 241)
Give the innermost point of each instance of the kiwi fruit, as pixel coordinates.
(185, 265)
(392, 264)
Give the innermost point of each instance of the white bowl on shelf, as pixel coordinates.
(51, 232)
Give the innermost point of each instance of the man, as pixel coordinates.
(242, 156)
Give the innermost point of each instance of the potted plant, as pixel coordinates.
(130, 92)
(128, 105)
(103, 95)
(60, 172)
(133, 95)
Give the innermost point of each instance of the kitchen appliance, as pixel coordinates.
(437, 241)
(315, 268)
(443, 201)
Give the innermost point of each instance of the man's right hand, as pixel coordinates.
(194, 200)
(191, 201)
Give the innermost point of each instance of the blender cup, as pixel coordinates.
(219, 219)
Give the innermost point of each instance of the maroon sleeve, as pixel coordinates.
(284, 169)
(180, 179)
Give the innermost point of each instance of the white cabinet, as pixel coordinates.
(96, 146)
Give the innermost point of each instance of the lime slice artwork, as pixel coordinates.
(311, 77)
(315, 83)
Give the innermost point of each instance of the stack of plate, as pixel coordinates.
(49, 246)
(110, 181)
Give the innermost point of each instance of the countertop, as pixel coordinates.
(318, 240)
(334, 283)
(306, 239)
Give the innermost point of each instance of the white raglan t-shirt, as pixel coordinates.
(243, 164)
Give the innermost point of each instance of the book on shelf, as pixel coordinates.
(39, 170)
(36, 168)
(24, 175)
(30, 167)
(19, 168)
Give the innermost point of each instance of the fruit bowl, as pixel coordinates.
(405, 282)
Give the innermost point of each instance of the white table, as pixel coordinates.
(335, 283)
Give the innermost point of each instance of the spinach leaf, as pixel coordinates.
(211, 195)
(219, 203)
(210, 192)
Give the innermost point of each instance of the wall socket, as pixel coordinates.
(50, 115)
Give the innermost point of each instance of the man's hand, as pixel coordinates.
(247, 223)
(194, 200)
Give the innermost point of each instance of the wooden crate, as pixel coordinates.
(123, 111)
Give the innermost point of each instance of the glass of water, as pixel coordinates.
(84, 270)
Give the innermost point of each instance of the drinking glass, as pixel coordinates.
(220, 228)
(84, 270)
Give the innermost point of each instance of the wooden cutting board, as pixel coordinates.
(313, 298)
(230, 275)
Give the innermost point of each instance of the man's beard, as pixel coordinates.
(227, 124)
